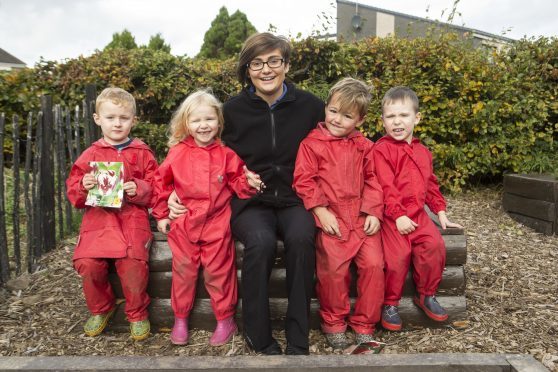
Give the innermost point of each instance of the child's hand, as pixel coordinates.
(254, 180)
(371, 225)
(130, 188)
(176, 209)
(444, 222)
(405, 225)
(327, 220)
(163, 225)
(89, 181)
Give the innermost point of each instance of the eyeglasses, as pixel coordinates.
(259, 65)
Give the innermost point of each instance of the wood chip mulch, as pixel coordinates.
(512, 301)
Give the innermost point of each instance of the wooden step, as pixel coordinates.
(161, 315)
(453, 283)
(161, 256)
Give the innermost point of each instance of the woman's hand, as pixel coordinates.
(176, 209)
(254, 180)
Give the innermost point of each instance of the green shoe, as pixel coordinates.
(97, 323)
(140, 329)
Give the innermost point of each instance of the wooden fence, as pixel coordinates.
(54, 138)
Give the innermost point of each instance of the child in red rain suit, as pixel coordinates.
(404, 169)
(119, 234)
(334, 176)
(204, 174)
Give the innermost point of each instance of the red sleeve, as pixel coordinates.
(434, 198)
(144, 192)
(305, 181)
(77, 194)
(236, 177)
(163, 186)
(386, 177)
(372, 196)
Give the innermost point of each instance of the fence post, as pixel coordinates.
(15, 212)
(46, 191)
(68, 126)
(90, 96)
(37, 226)
(58, 170)
(77, 134)
(28, 205)
(4, 263)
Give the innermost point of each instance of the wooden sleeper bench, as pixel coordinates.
(451, 292)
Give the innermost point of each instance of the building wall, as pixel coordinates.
(10, 66)
(382, 24)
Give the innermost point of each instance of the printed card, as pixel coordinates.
(109, 190)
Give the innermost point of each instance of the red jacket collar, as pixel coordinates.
(389, 139)
(190, 142)
(321, 133)
(136, 143)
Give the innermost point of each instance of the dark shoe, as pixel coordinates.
(296, 350)
(337, 340)
(391, 319)
(271, 349)
(431, 307)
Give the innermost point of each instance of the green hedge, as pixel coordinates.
(484, 113)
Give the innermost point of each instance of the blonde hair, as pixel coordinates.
(179, 121)
(400, 94)
(351, 93)
(117, 96)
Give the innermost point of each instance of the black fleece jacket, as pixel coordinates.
(267, 139)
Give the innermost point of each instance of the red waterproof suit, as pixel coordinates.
(407, 178)
(338, 173)
(204, 179)
(122, 234)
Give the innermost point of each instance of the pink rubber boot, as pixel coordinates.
(179, 334)
(224, 332)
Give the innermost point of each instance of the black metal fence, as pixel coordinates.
(55, 138)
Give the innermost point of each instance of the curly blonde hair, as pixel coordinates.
(179, 121)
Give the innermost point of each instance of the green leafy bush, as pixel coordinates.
(484, 112)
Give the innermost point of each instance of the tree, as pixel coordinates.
(226, 35)
(122, 40)
(156, 42)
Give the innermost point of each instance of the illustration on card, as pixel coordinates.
(108, 192)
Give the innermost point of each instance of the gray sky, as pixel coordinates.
(61, 29)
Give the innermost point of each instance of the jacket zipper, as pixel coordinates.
(273, 144)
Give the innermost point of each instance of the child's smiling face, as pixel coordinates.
(399, 119)
(203, 125)
(340, 122)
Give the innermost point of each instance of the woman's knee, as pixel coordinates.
(260, 244)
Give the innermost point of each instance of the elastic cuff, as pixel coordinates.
(391, 302)
(363, 330)
(138, 318)
(333, 329)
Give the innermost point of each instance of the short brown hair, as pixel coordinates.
(118, 96)
(351, 93)
(401, 94)
(256, 45)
